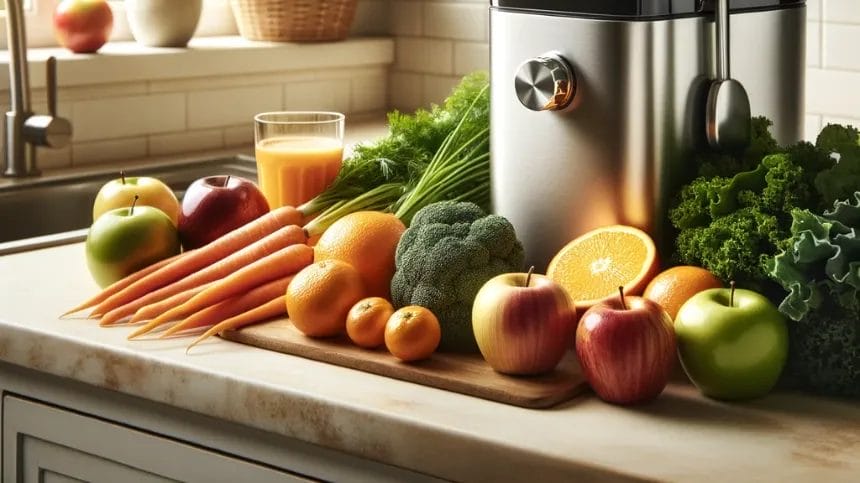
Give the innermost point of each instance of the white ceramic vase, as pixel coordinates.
(163, 23)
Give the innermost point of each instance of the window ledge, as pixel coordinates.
(205, 56)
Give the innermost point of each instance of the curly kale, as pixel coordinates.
(449, 251)
(733, 222)
(732, 226)
(820, 269)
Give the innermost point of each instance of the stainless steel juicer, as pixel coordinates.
(598, 105)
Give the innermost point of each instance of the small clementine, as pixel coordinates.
(412, 333)
(365, 323)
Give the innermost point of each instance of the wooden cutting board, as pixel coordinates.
(462, 373)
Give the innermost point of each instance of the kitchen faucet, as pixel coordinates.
(24, 129)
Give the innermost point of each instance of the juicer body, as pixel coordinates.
(624, 145)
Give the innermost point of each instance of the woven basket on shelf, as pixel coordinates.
(294, 20)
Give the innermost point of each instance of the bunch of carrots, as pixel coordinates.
(237, 280)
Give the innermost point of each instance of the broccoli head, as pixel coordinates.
(446, 255)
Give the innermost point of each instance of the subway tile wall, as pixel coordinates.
(154, 118)
(440, 40)
(833, 64)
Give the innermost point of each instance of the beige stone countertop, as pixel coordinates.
(681, 437)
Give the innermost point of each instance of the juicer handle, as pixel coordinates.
(545, 83)
(721, 14)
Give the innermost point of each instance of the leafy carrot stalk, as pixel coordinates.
(155, 309)
(283, 237)
(200, 258)
(233, 306)
(273, 308)
(284, 262)
(121, 284)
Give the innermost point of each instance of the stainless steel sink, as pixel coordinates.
(56, 210)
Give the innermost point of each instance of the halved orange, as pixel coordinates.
(594, 265)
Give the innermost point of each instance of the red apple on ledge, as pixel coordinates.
(216, 205)
(626, 348)
(83, 26)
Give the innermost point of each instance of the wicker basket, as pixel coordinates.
(294, 20)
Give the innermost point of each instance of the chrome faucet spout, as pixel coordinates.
(24, 129)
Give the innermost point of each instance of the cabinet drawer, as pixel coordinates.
(43, 443)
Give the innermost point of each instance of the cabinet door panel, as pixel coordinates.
(39, 439)
(44, 461)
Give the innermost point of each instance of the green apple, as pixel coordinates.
(125, 240)
(120, 192)
(732, 343)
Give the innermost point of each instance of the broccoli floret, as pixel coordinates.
(450, 250)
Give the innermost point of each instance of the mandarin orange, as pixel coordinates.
(321, 295)
(367, 240)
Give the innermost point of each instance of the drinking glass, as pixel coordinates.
(298, 154)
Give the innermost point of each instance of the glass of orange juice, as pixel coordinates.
(298, 154)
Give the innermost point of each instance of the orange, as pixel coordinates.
(412, 333)
(594, 265)
(365, 323)
(320, 296)
(676, 285)
(367, 240)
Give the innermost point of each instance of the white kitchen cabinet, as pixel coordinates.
(43, 443)
(58, 430)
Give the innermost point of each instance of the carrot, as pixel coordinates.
(155, 309)
(283, 237)
(233, 306)
(273, 308)
(224, 246)
(286, 261)
(121, 284)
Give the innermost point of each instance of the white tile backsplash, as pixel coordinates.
(428, 56)
(185, 142)
(833, 92)
(227, 107)
(86, 153)
(813, 44)
(326, 95)
(471, 56)
(843, 11)
(369, 93)
(242, 135)
(841, 43)
(456, 20)
(108, 118)
(811, 126)
(407, 18)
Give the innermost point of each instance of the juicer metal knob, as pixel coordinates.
(545, 83)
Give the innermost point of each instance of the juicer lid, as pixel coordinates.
(637, 9)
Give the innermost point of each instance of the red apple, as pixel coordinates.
(216, 205)
(83, 25)
(523, 323)
(626, 348)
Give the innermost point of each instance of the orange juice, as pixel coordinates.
(294, 169)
